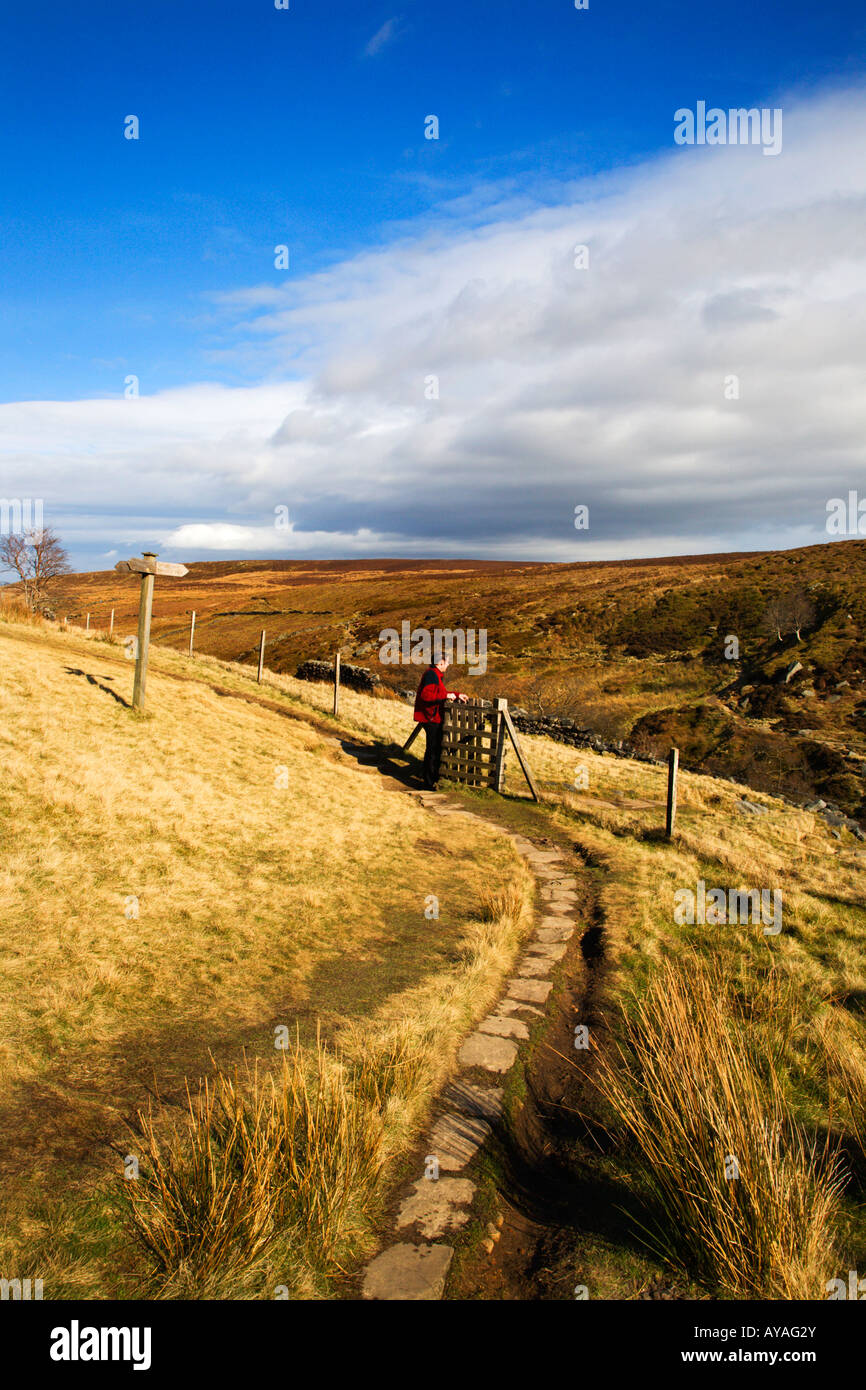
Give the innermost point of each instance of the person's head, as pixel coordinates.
(442, 664)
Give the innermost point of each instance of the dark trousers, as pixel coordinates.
(432, 753)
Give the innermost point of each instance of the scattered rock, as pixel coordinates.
(454, 1139)
(536, 967)
(517, 1006)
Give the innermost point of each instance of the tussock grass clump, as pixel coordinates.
(290, 1155)
(744, 1201)
(503, 902)
(206, 1195)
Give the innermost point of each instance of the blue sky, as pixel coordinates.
(306, 127)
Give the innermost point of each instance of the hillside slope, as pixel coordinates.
(175, 887)
(265, 900)
(639, 650)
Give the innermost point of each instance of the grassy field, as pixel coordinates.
(791, 1006)
(279, 883)
(176, 886)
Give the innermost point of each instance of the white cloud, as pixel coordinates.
(557, 386)
(382, 37)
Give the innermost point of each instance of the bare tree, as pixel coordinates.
(37, 557)
(789, 612)
(799, 611)
(548, 694)
(775, 619)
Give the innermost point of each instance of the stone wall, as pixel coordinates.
(356, 677)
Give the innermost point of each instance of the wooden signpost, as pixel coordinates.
(148, 567)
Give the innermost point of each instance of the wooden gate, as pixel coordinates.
(470, 742)
(474, 739)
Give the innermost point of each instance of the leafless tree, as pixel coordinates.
(774, 619)
(789, 612)
(799, 611)
(37, 557)
(550, 695)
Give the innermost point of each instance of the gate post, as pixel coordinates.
(500, 735)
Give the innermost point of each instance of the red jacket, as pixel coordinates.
(431, 697)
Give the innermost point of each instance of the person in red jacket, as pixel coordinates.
(429, 704)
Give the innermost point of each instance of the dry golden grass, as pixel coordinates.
(742, 1197)
(293, 888)
(186, 881)
(778, 1238)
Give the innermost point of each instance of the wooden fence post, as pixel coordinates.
(261, 656)
(191, 631)
(336, 684)
(145, 608)
(87, 623)
(673, 765)
(501, 734)
(111, 625)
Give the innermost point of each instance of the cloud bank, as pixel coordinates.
(678, 346)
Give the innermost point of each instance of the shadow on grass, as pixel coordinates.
(388, 759)
(95, 680)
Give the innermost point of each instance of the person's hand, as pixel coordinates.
(464, 699)
(450, 695)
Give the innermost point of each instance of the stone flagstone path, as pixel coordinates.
(437, 1207)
